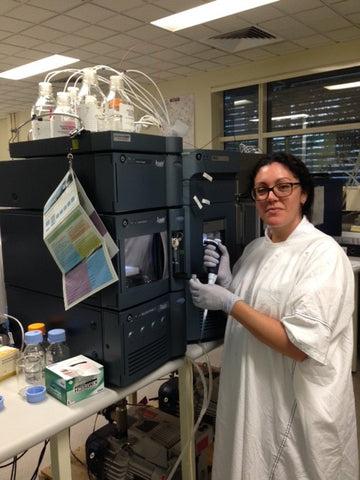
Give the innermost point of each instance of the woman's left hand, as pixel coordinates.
(211, 297)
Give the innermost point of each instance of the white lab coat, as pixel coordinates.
(279, 419)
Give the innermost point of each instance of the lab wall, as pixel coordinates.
(207, 87)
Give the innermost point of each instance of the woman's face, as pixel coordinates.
(280, 214)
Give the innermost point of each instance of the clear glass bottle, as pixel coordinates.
(119, 113)
(62, 125)
(33, 358)
(44, 105)
(57, 349)
(91, 102)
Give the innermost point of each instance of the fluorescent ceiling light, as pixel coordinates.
(206, 13)
(243, 101)
(40, 66)
(341, 86)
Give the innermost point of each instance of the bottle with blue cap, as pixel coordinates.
(57, 349)
(33, 358)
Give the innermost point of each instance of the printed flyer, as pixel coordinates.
(78, 241)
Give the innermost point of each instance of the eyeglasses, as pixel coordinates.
(281, 190)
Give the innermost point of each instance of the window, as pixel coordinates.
(320, 126)
(305, 102)
(241, 107)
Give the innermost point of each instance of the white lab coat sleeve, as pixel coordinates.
(322, 295)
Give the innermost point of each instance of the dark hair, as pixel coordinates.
(296, 167)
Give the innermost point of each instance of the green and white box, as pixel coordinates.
(74, 379)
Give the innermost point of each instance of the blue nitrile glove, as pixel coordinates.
(212, 258)
(211, 297)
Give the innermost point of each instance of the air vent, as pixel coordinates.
(242, 39)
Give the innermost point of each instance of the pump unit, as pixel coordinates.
(148, 450)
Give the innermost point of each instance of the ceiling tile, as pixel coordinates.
(7, 5)
(119, 5)
(287, 27)
(228, 60)
(198, 32)
(312, 41)
(125, 25)
(97, 48)
(43, 33)
(95, 32)
(347, 7)
(258, 15)
(65, 23)
(182, 70)
(175, 6)
(256, 54)
(167, 55)
(93, 13)
(293, 6)
(146, 32)
(56, 5)
(322, 19)
(52, 47)
(170, 40)
(121, 41)
(71, 40)
(32, 14)
(210, 53)
(13, 25)
(148, 13)
(205, 65)
(343, 34)
(21, 41)
(284, 48)
(191, 47)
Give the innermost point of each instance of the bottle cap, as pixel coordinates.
(33, 337)
(1, 402)
(35, 394)
(37, 326)
(56, 335)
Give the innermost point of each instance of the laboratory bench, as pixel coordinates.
(27, 425)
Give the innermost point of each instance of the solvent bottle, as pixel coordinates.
(39, 326)
(41, 110)
(91, 102)
(57, 349)
(62, 125)
(119, 113)
(33, 358)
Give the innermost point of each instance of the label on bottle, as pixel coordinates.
(127, 117)
(62, 126)
(41, 128)
(88, 114)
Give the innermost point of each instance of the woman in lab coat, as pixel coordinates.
(286, 407)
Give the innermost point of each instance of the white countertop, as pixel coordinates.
(24, 425)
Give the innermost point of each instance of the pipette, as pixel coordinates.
(212, 274)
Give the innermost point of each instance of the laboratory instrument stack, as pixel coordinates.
(158, 203)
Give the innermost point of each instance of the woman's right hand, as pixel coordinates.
(212, 258)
